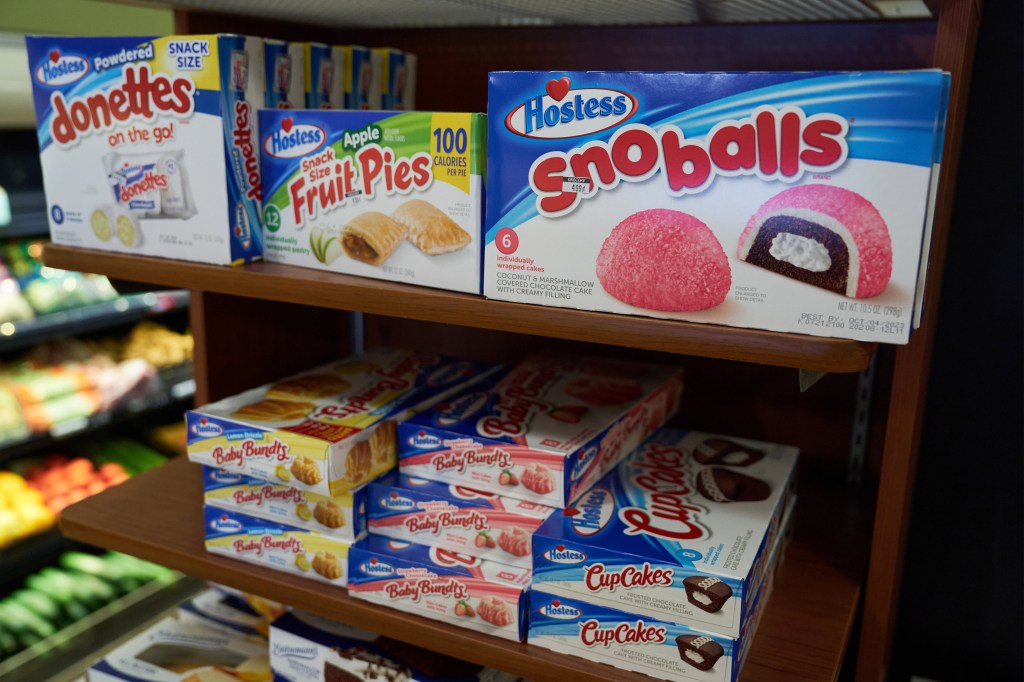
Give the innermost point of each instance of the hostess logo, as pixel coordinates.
(226, 524)
(563, 112)
(562, 555)
(424, 441)
(594, 511)
(395, 502)
(557, 609)
(225, 477)
(61, 69)
(293, 140)
(461, 408)
(206, 429)
(376, 567)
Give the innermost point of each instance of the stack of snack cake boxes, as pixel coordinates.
(451, 538)
(286, 464)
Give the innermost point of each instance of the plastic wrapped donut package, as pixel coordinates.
(148, 145)
(797, 202)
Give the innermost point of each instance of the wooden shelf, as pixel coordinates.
(291, 284)
(158, 516)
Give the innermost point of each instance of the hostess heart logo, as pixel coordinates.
(556, 609)
(61, 69)
(293, 140)
(563, 111)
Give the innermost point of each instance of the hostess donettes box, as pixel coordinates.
(784, 201)
(148, 145)
(681, 531)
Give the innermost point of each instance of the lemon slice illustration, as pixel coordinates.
(100, 224)
(283, 473)
(302, 562)
(304, 512)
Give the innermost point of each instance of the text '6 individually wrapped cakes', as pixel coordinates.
(795, 202)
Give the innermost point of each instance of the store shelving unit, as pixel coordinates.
(839, 587)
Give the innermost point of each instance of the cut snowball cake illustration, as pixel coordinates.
(662, 259)
(826, 236)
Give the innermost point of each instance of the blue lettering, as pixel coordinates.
(606, 106)
(551, 116)
(566, 110)
(591, 108)
(619, 105)
(532, 114)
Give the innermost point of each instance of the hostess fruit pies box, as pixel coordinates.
(149, 145)
(185, 651)
(396, 196)
(455, 518)
(459, 589)
(301, 552)
(545, 431)
(328, 430)
(342, 516)
(681, 530)
(308, 648)
(793, 202)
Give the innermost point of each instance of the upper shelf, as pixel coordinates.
(291, 284)
(447, 13)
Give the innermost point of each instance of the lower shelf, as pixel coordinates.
(803, 635)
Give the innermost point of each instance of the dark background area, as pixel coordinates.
(963, 591)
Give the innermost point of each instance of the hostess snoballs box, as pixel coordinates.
(325, 76)
(185, 651)
(793, 202)
(486, 525)
(342, 516)
(328, 430)
(301, 552)
(680, 531)
(396, 196)
(148, 145)
(545, 430)
(284, 69)
(459, 589)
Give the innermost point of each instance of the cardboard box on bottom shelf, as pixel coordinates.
(484, 525)
(653, 646)
(545, 431)
(794, 202)
(394, 196)
(308, 648)
(283, 548)
(343, 516)
(328, 430)
(680, 531)
(149, 144)
(185, 651)
(485, 596)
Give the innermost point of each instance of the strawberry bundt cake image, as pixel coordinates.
(823, 235)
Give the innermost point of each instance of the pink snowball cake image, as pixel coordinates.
(662, 259)
(822, 235)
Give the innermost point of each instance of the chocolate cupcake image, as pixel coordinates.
(706, 593)
(701, 652)
(724, 485)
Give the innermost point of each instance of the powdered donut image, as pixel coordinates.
(662, 259)
(515, 541)
(538, 478)
(495, 611)
(826, 236)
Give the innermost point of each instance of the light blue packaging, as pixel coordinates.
(325, 76)
(360, 78)
(284, 71)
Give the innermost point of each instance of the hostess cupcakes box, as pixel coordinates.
(680, 531)
(459, 589)
(455, 518)
(793, 202)
(342, 516)
(395, 196)
(328, 430)
(148, 145)
(278, 546)
(543, 432)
